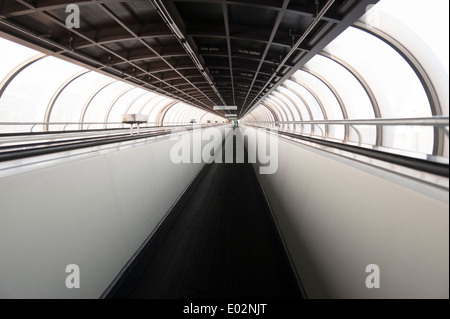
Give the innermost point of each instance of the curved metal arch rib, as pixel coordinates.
(56, 95)
(278, 109)
(250, 114)
(163, 112)
(270, 116)
(274, 115)
(284, 96)
(88, 102)
(422, 75)
(308, 108)
(262, 113)
(147, 102)
(265, 113)
(157, 96)
(338, 98)
(180, 114)
(108, 112)
(315, 96)
(156, 107)
(277, 101)
(17, 70)
(281, 101)
(134, 101)
(366, 87)
(292, 102)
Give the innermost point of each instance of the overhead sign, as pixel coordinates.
(230, 115)
(225, 108)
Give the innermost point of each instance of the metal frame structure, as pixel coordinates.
(439, 133)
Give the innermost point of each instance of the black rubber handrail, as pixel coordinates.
(73, 145)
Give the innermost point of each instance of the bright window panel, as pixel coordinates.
(174, 113)
(260, 115)
(265, 113)
(289, 104)
(395, 85)
(290, 114)
(180, 116)
(306, 80)
(122, 103)
(278, 112)
(410, 138)
(71, 101)
(280, 104)
(27, 97)
(154, 108)
(256, 115)
(186, 115)
(301, 106)
(141, 102)
(100, 104)
(281, 107)
(354, 97)
(157, 108)
(424, 31)
(11, 55)
(209, 117)
(305, 129)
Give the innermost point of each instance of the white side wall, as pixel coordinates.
(337, 217)
(94, 212)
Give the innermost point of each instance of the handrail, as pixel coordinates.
(44, 147)
(86, 125)
(425, 163)
(438, 122)
(419, 121)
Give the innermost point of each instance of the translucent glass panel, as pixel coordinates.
(409, 138)
(141, 102)
(395, 85)
(207, 117)
(289, 104)
(181, 115)
(279, 104)
(262, 114)
(48, 89)
(397, 88)
(69, 105)
(27, 97)
(14, 54)
(155, 107)
(195, 114)
(259, 114)
(174, 112)
(424, 30)
(101, 102)
(280, 116)
(293, 87)
(308, 83)
(355, 100)
(192, 114)
(120, 105)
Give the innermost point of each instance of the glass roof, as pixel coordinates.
(60, 95)
(391, 64)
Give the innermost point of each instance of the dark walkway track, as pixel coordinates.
(219, 241)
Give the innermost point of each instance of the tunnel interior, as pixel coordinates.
(218, 149)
